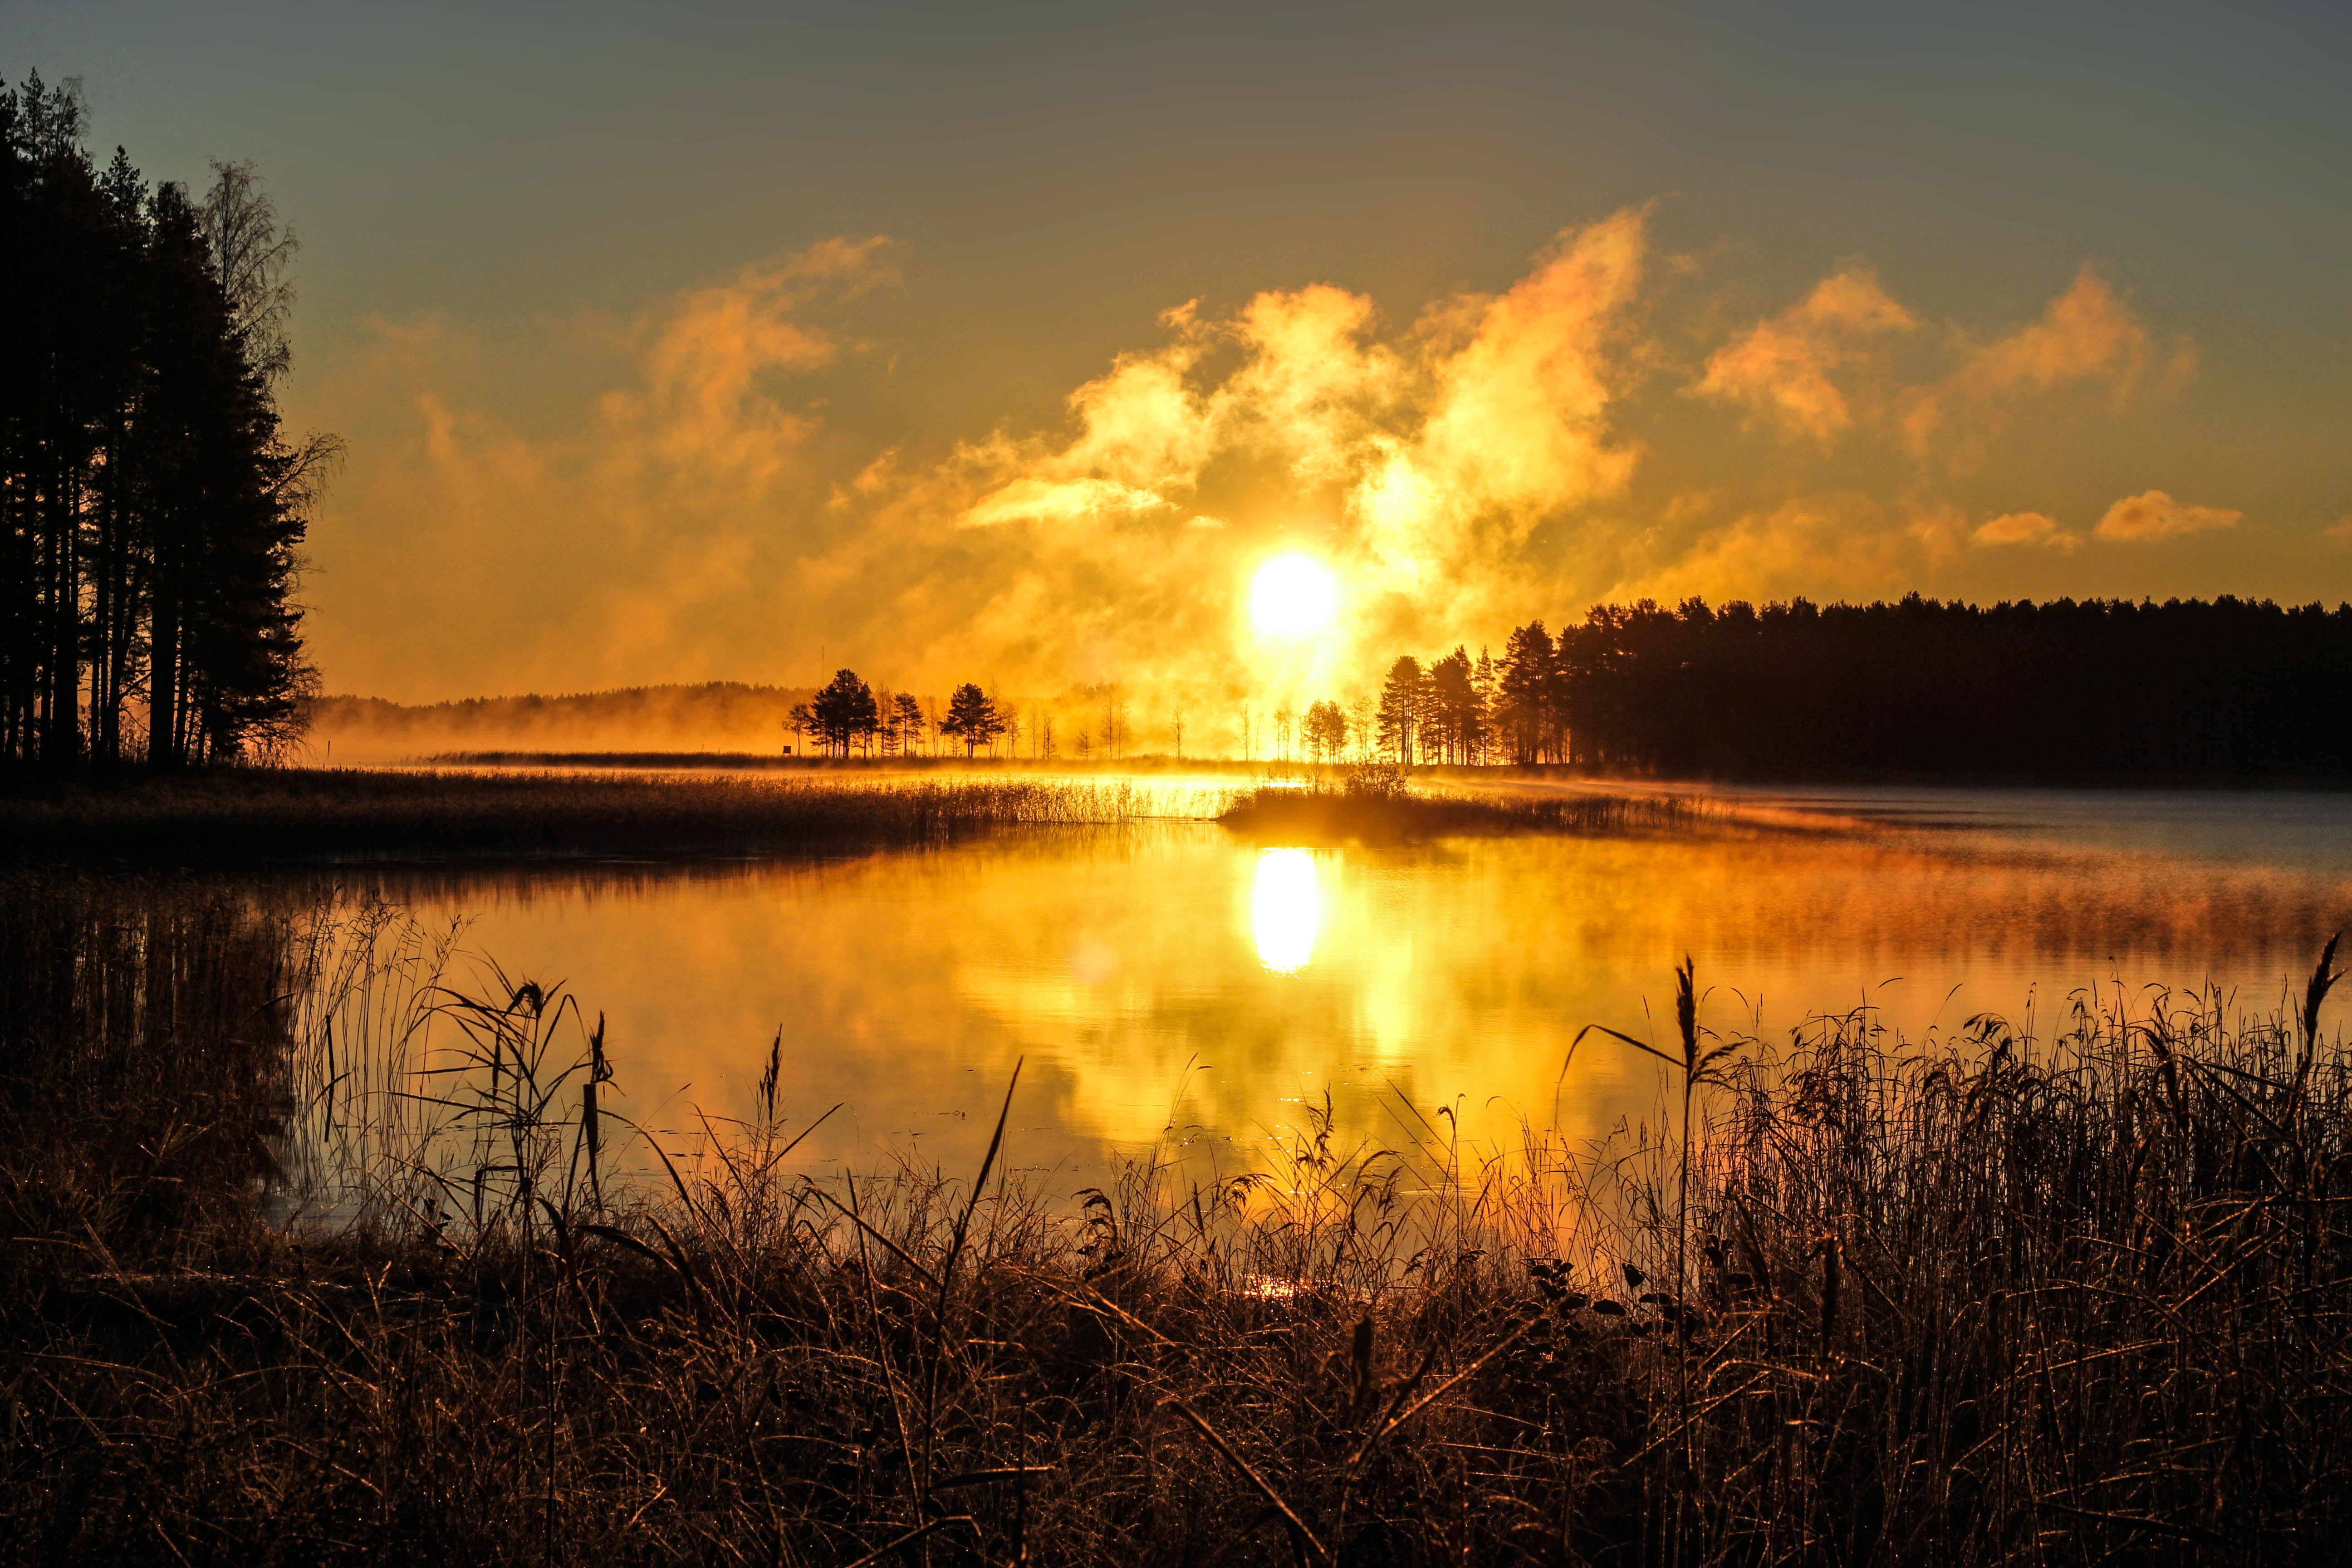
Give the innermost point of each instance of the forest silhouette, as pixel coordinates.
(152, 509)
(2220, 688)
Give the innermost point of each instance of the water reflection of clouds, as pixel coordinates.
(1285, 911)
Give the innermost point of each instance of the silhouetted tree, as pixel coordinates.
(1400, 705)
(1526, 702)
(912, 725)
(150, 512)
(1456, 720)
(845, 712)
(1327, 731)
(972, 719)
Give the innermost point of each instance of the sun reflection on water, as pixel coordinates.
(1285, 910)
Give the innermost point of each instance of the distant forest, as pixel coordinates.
(2226, 688)
(150, 509)
(720, 715)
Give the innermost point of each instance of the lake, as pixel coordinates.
(1170, 986)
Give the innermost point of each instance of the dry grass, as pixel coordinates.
(1375, 803)
(1988, 1300)
(244, 816)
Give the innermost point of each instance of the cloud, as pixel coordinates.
(2153, 515)
(2086, 336)
(702, 406)
(1850, 356)
(1822, 547)
(2025, 528)
(628, 538)
(1424, 461)
(1035, 499)
(715, 504)
(1786, 367)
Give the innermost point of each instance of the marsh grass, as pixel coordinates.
(242, 816)
(1378, 803)
(1846, 1299)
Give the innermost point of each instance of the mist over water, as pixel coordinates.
(1170, 986)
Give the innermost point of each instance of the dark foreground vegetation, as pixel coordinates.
(1991, 1300)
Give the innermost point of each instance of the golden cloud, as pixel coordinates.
(623, 547)
(1787, 368)
(1825, 546)
(2086, 336)
(1426, 458)
(2026, 528)
(2153, 515)
(1464, 470)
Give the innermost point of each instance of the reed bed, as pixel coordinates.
(1847, 1299)
(250, 815)
(1377, 805)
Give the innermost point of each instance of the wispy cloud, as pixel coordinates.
(1789, 368)
(2088, 336)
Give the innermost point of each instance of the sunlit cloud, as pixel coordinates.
(1788, 368)
(703, 405)
(2088, 336)
(709, 510)
(1819, 547)
(2025, 528)
(620, 546)
(1826, 365)
(1422, 457)
(2153, 515)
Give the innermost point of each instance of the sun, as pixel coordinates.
(1293, 595)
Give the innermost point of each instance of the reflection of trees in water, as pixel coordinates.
(145, 1048)
(176, 1051)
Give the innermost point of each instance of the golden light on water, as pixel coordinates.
(1287, 910)
(1292, 595)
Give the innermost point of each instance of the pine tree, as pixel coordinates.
(971, 719)
(151, 512)
(844, 714)
(1400, 709)
(912, 725)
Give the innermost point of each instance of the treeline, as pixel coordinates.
(2223, 687)
(150, 509)
(849, 715)
(714, 715)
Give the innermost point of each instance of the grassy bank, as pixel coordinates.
(242, 816)
(246, 814)
(1377, 805)
(2075, 1300)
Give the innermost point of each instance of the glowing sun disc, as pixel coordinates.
(1292, 595)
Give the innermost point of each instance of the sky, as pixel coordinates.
(1007, 343)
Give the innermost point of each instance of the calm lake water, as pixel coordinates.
(1169, 984)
